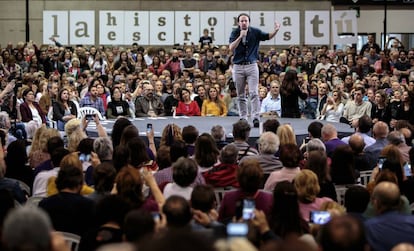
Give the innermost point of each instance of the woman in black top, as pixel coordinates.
(290, 91)
(63, 109)
(117, 107)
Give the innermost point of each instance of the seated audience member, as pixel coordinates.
(307, 186)
(184, 173)
(30, 110)
(249, 176)
(361, 161)
(268, 145)
(149, 105)
(356, 201)
(388, 228)
(187, 106)
(343, 233)
(397, 139)
(103, 178)
(117, 107)
(342, 166)
(129, 185)
(219, 136)
(93, 100)
(68, 210)
(241, 133)
(380, 133)
(203, 203)
(206, 153)
(71, 160)
(178, 213)
(290, 157)
(139, 226)
(16, 160)
(178, 149)
(190, 135)
(213, 105)
(271, 125)
(285, 218)
(271, 105)
(41, 179)
(63, 109)
(110, 213)
(224, 173)
(52, 144)
(330, 138)
(318, 163)
(364, 126)
(29, 228)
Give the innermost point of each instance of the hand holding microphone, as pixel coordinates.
(243, 33)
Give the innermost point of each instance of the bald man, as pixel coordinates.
(380, 133)
(361, 160)
(330, 138)
(389, 227)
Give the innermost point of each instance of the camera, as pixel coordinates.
(319, 217)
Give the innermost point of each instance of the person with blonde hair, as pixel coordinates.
(307, 186)
(170, 133)
(286, 134)
(70, 160)
(213, 105)
(75, 133)
(38, 152)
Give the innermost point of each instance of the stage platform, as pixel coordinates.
(204, 124)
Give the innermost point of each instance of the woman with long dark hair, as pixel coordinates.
(285, 217)
(63, 109)
(290, 92)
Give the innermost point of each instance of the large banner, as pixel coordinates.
(185, 27)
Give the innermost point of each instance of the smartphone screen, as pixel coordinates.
(149, 127)
(319, 217)
(381, 161)
(407, 169)
(237, 229)
(248, 209)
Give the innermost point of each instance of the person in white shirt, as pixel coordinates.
(184, 173)
(271, 105)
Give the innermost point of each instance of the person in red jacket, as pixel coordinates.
(186, 106)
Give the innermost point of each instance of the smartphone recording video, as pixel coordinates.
(237, 229)
(248, 209)
(319, 217)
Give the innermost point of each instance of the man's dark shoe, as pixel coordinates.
(256, 123)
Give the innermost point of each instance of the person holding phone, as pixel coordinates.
(238, 202)
(244, 42)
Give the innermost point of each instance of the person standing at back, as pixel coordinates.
(244, 42)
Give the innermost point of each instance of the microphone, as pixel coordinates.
(244, 39)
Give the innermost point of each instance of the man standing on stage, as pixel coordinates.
(244, 42)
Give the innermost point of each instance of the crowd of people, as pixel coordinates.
(138, 193)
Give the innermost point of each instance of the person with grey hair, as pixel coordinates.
(27, 228)
(268, 144)
(219, 135)
(380, 133)
(241, 133)
(397, 138)
(102, 146)
(315, 144)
